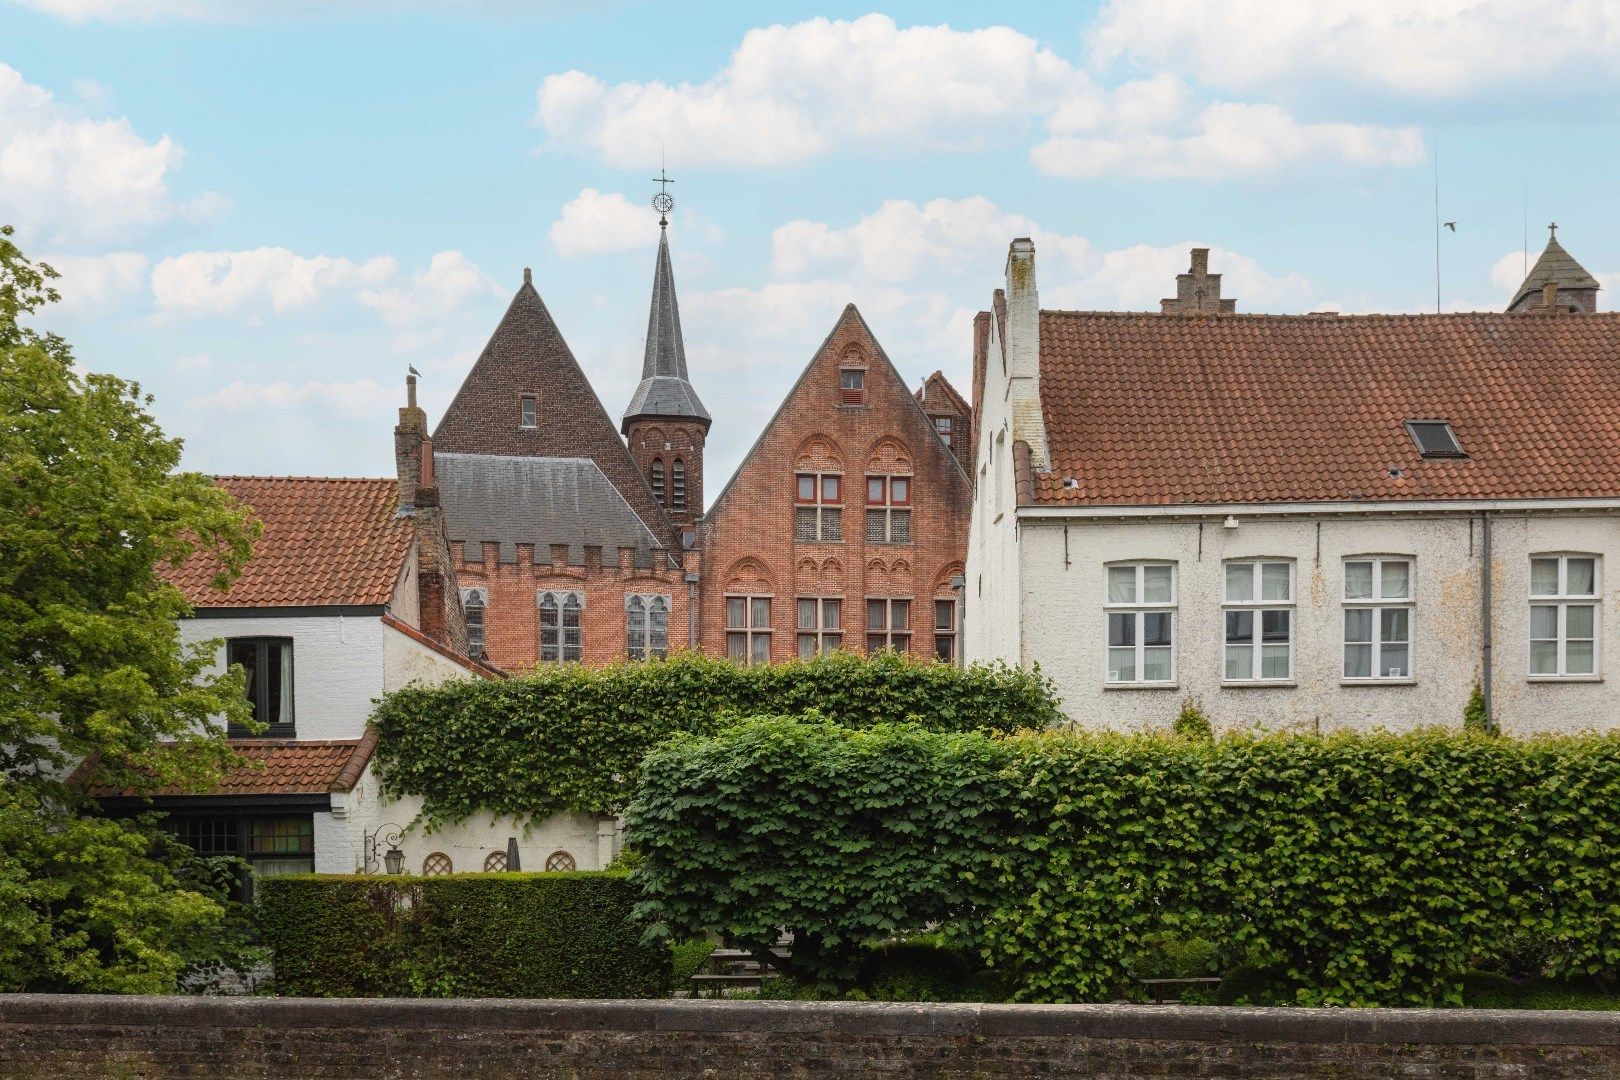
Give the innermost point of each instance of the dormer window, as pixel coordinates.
(852, 386)
(1435, 439)
(530, 412)
(268, 663)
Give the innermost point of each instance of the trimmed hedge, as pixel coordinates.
(1349, 870)
(571, 738)
(462, 935)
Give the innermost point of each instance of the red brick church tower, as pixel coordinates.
(666, 424)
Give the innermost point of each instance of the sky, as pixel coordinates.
(265, 210)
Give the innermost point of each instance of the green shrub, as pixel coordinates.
(1474, 718)
(1175, 956)
(462, 935)
(1192, 722)
(845, 837)
(1346, 870)
(687, 959)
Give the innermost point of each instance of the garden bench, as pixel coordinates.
(1163, 991)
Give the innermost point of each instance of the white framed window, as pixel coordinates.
(561, 632)
(852, 386)
(646, 626)
(473, 605)
(888, 624)
(529, 413)
(1259, 621)
(1141, 617)
(1377, 619)
(1564, 599)
(818, 511)
(820, 625)
(888, 509)
(748, 629)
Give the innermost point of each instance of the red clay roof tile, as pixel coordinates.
(290, 767)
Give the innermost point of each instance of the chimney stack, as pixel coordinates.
(410, 440)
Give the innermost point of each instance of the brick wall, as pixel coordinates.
(47, 1037)
(748, 538)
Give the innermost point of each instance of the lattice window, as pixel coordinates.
(560, 860)
(436, 865)
(495, 862)
(647, 626)
(888, 509)
(561, 639)
(818, 513)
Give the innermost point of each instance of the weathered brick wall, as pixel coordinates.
(44, 1037)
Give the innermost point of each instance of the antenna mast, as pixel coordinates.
(1437, 225)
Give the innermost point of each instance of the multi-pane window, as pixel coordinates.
(1259, 618)
(530, 413)
(270, 845)
(820, 625)
(473, 606)
(1141, 617)
(1378, 619)
(748, 629)
(561, 638)
(658, 481)
(942, 424)
(677, 485)
(647, 626)
(888, 625)
(852, 386)
(888, 509)
(268, 663)
(945, 630)
(1563, 615)
(818, 512)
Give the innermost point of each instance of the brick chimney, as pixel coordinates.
(440, 614)
(410, 438)
(1022, 342)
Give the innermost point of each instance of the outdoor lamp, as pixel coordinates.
(394, 860)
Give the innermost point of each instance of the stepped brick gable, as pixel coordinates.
(850, 497)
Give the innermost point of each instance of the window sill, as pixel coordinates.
(1410, 681)
(1141, 686)
(1564, 678)
(1258, 684)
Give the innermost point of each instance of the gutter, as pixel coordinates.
(1263, 510)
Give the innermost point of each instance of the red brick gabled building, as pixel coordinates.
(846, 524)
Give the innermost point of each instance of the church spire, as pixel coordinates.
(1574, 286)
(665, 390)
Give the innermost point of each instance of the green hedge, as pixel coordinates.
(462, 935)
(571, 738)
(1347, 870)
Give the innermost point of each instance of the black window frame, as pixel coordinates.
(237, 836)
(259, 697)
(1420, 429)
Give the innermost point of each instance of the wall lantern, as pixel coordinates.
(393, 859)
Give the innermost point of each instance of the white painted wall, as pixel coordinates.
(406, 661)
(337, 665)
(1064, 626)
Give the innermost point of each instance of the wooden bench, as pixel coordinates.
(1163, 991)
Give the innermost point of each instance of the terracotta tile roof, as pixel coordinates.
(326, 542)
(290, 767)
(1165, 410)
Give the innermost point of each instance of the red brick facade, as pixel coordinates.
(849, 417)
(669, 454)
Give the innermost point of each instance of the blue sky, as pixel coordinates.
(265, 211)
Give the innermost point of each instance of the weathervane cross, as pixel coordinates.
(1552, 230)
(663, 202)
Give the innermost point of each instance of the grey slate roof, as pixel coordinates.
(665, 389)
(1555, 264)
(540, 501)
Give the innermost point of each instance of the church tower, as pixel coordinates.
(666, 424)
(1557, 281)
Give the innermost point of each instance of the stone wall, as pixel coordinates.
(45, 1037)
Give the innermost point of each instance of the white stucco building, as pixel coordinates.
(1305, 522)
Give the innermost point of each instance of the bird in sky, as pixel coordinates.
(1452, 225)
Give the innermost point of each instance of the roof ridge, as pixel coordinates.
(1319, 316)
(320, 479)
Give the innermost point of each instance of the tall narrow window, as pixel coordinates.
(888, 625)
(530, 416)
(820, 625)
(647, 627)
(888, 509)
(561, 639)
(472, 603)
(748, 629)
(818, 513)
(942, 424)
(1141, 616)
(268, 663)
(852, 386)
(1563, 616)
(658, 480)
(677, 486)
(945, 630)
(1259, 622)
(1378, 619)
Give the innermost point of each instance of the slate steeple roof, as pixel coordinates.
(1556, 265)
(665, 391)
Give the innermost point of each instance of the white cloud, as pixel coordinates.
(94, 284)
(599, 223)
(792, 93)
(1421, 48)
(1136, 278)
(218, 283)
(190, 365)
(71, 178)
(1508, 272)
(450, 282)
(360, 398)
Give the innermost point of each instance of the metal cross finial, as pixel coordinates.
(1552, 230)
(663, 202)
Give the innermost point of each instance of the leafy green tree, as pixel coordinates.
(91, 662)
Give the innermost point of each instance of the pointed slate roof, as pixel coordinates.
(528, 356)
(665, 390)
(1555, 264)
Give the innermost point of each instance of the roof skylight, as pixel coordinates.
(1435, 439)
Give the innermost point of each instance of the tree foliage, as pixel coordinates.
(91, 662)
(572, 738)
